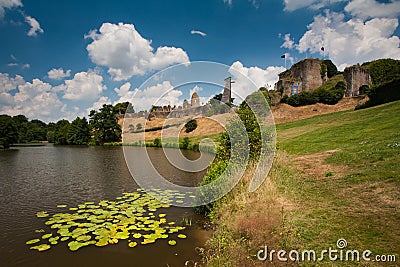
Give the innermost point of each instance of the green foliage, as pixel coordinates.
(323, 69)
(190, 126)
(79, 133)
(301, 99)
(139, 127)
(185, 143)
(331, 68)
(384, 93)
(104, 125)
(121, 108)
(8, 131)
(383, 70)
(216, 108)
(61, 132)
(326, 94)
(215, 170)
(157, 142)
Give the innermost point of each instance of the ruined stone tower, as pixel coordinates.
(195, 101)
(356, 76)
(227, 95)
(305, 75)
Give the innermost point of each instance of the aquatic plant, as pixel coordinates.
(133, 217)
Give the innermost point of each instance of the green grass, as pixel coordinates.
(363, 205)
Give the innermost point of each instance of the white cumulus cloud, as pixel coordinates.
(34, 100)
(8, 83)
(348, 42)
(35, 26)
(103, 100)
(250, 79)
(125, 53)
(160, 94)
(288, 42)
(85, 86)
(373, 9)
(58, 74)
(8, 4)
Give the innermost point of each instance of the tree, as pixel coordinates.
(21, 123)
(37, 131)
(8, 131)
(190, 126)
(104, 125)
(330, 67)
(185, 142)
(61, 132)
(139, 127)
(157, 142)
(79, 133)
(121, 108)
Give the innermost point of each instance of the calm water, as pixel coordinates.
(33, 179)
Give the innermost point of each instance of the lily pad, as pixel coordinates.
(181, 236)
(46, 236)
(61, 206)
(33, 241)
(172, 242)
(75, 245)
(42, 214)
(41, 247)
(132, 244)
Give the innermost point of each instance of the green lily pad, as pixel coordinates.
(83, 238)
(75, 245)
(61, 206)
(46, 236)
(132, 244)
(32, 241)
(42, 214)
(65, 238)
(172, 242)
(41, 247)
(181, 236)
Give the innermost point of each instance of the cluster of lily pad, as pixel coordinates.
(131, 217)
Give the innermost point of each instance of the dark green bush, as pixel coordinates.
(191, 126)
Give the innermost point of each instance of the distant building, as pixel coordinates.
(195, 102)
(227, 95)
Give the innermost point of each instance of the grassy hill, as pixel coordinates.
(334, 176)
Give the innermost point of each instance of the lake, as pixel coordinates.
(34, 179)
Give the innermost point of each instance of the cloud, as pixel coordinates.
(258, 78)
(8, 4)
(195, 89)
(160, 94)
(373, 9)
(7, 83)
(35, 26)
(58, 74)
(228, 2)
(288, 42)
(103, 100)
(123, 90)
(12, 64)
(34, 100)
(85, 86)
(348, 42)
(292, 5)
(198, 32)
(125, 53)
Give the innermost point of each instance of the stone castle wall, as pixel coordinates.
(356, 77)
(306, 75)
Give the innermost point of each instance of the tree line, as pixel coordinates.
(101, 127)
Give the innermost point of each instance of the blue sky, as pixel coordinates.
(59, 59)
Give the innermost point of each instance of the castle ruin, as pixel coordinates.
(305, 75)
(355, 77)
